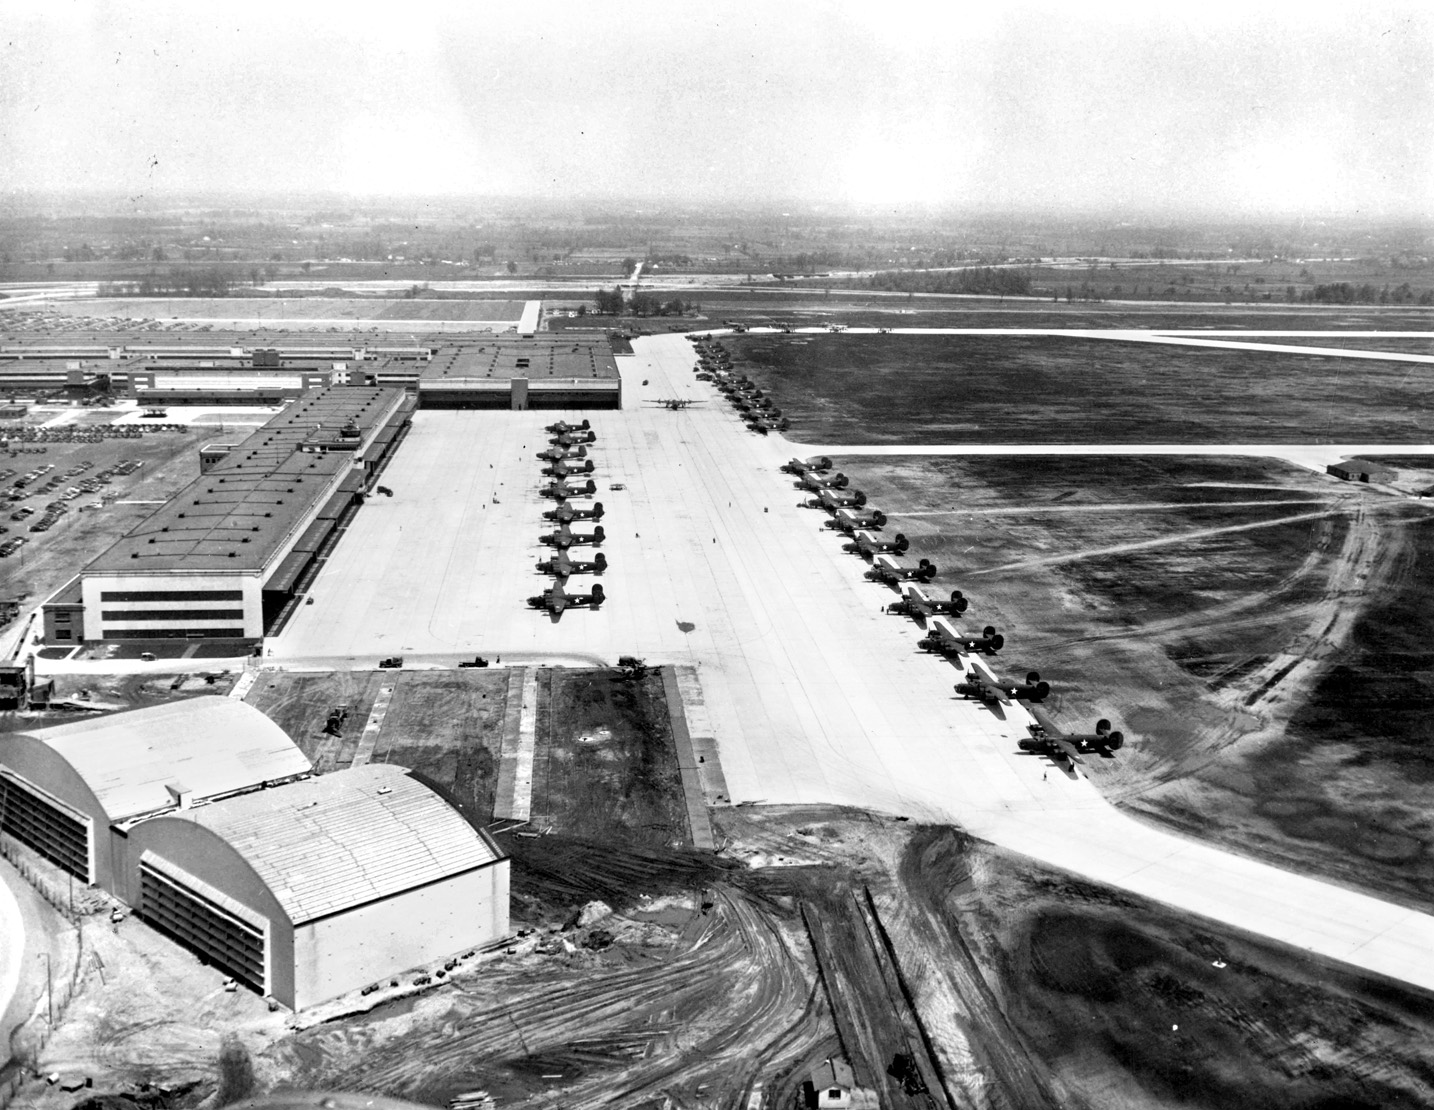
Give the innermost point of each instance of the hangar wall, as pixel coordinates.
(43, 768)
(349, 950)
(200, 851)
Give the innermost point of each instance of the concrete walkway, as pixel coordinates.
(513, 796)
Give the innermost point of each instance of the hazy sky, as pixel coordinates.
(1214, 107)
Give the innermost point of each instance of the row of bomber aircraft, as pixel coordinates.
(851, 515)
(565, 457)
(758, 411)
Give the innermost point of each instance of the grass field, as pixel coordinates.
(1274, 680)
(1036, 389)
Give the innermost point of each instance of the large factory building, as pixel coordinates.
(224, 556)
(205, 818)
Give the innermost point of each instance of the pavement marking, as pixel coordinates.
(246, 681)
(369, 737)
(513, 798)
(698, 825)
(704, 738)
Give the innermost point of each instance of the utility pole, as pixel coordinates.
(49, 990)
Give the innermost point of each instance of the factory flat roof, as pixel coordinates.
(331, 843)
(208, 745)
(538, 358)
(234, 517)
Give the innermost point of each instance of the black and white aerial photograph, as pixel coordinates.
(726, 555)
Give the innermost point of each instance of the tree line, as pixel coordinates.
(987, 280)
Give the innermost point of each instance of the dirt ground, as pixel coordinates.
(445, 725)
(818, 932)
(1252, 627)
(605, 764)
(113, 694)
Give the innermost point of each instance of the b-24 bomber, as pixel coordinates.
(564, 566)
(561, 491)
(553, 454)
(563, 426)
(561, 468)
(945, 639)
(886, 569)
(818, 482)
(868, 546)
(991, 689)
(834, 499)
(916, 602)
(573, 439)
(566, 513)
(1068, 747)
(803, 466)
(852, 520)
(565, 537)
(556, 598)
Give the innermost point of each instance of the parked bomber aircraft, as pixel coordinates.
(564, 567)
(818, 482)
(555, 599)
(850, 520)
(572, 439)
(981, 685)
(563, 467)
(802, 466)
(563, 426)
(886, 569)
(553, 454)
(674, 403)
(946, 639)
(916, 602)
(763, 425)
(1047, 739)
(834, 499)
(562, 491)
(566, 513)
(565, 537)
(869, 546)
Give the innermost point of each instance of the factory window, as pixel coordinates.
(162, 633)
(64, 634)
(172, 595)
(60, 838)
(174, 614)
(219, 936)
(62, 617)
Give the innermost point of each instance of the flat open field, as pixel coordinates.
(291, 308)
(1257, 630)
(1037, 389)
(466, 309)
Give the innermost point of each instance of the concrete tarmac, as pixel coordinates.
(814, 694)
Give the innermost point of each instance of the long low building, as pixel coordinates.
(206, 819)
(222, 559)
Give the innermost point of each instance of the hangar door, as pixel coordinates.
(221, 930)
(58, 834)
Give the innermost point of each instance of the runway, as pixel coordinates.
(815, 695)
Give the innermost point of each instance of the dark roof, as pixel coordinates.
(498, 359)
(235, 517)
